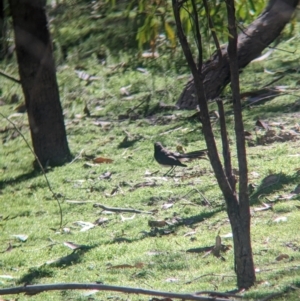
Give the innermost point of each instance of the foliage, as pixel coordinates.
(155, 18)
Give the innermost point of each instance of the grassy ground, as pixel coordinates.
(123, 128)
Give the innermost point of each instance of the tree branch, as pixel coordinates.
(238, 118)
(36, 289)
(207, 128)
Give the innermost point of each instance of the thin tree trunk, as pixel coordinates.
(2, 30)
(38, 79)
(237, 207)
(239, 213)
(251, 42)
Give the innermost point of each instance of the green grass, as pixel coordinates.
(28, 207)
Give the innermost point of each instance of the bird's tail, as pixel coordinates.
(201, 154)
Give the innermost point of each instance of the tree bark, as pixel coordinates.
(251, 42)
(2, 30)
(237, 206)
(239, 210)
(38, 79)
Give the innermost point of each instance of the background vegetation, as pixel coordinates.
(111, 93)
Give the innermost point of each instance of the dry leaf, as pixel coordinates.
(147, 55)
(144, 184)
(138, 265)
(101, 221)
(157, 223)
(282, 256)
(71, 245)
(9, 248)
(217, 248)
(189, 233)
(21, 237)
(280, 219)
(262, 124)
(266, 207)
(228, 235)
(167, 205)
(123, 219)
(106, 175)
(102, 160)
(172, 279)
(155, 253)
(286, 196)
(85, 226)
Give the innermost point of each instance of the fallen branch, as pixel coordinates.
(114, 209)
(36, 289)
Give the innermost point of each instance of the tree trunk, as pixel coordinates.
(2, 30)
(239, 209)
(259, 34)
(243, 257)
(38, 79)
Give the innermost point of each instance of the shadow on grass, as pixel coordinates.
(24, 177)
(47, 270)
(269, 188)
(290, 290)
(168, 228)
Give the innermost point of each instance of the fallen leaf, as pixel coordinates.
(282, 256)
(139, 265)
(123, 219)
(262, 124)
(167, 205)
(144, 184)
(89, 293)
(155, 253)
(21, 237)
(286, 196)
(106, 175)
(9, 248)
(6, 277)
(100, 160)
(189, 233)
(161, 223)
(125, 266)
(71, 245)
(100, 221)
(280, 219)
(85, 226)
(228, 235)
(265, 207)
(172, 279)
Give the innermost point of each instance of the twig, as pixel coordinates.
(225, 144)
(147, 99)
(10, 77)
(78, 202)
(210, 274)
(114, 209)
(274, 295)
(36, 289)
(273, 81)
(170, 131)
(41, 167)
(220, 294)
